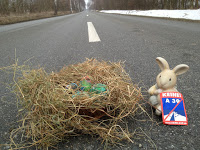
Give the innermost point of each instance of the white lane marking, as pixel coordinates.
(87, 15)
(92, 34)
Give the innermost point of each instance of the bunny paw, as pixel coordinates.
(158, 111)
(153, 100)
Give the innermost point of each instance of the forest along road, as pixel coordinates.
(53, 43)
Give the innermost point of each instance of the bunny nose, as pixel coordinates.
(163, 81)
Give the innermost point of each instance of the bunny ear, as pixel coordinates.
(163, 64)
(180, 69)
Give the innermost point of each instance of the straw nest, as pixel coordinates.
(51, 112)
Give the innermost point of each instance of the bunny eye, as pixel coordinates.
(170, 79)
(160, 76)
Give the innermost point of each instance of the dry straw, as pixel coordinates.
(51, 113)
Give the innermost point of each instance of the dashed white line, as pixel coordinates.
(87, 15)
(92, 34)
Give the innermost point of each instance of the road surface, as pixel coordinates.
(55, 42)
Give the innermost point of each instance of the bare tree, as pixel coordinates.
(144, 4)
(34, 6)
(70, 4)
(191, 4)
(4, 7)
(197, 4)
(55, 7)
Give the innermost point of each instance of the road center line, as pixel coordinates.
(92, 34)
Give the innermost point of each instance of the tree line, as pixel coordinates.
(34, 6)
(144, 4)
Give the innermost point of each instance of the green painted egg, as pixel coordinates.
(85, 85)
(99, 88)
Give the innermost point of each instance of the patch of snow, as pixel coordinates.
(181, 14)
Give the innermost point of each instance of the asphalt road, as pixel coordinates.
(53, 43)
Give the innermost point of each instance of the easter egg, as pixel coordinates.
(99, 88)
(85, 85)
(87, 78)
(72, 86)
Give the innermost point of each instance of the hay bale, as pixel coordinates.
(53, 111)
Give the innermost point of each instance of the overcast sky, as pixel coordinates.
(86, 1)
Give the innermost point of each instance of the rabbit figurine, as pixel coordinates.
(165, 82)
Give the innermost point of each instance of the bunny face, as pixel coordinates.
(166, 79)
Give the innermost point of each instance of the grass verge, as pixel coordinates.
(15, 18)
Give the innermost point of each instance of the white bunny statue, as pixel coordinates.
(165, 82)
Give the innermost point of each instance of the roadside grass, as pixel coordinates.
(15, 18)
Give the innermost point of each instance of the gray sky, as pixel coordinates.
(86, 2)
